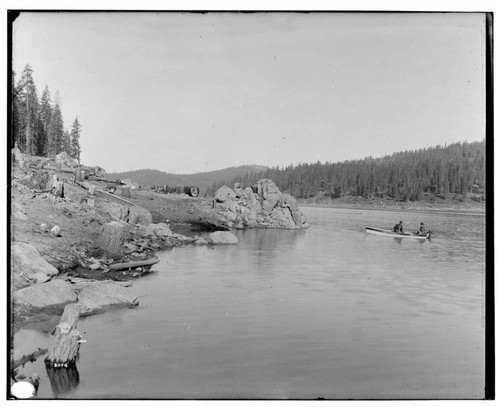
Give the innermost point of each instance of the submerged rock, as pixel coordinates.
(99, 296)
(222, 237)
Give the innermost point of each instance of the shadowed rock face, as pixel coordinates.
(26, 261)
(266, 208)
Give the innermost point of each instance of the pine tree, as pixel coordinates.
(14, 110)
(76, 130)
(56, 132)
(66, 142)
(45, 117)
(27, 112)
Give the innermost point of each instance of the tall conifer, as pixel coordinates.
(28, 109)
(76, 130)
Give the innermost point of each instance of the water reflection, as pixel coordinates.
(63, 380)
(271, 240)
(329, 311)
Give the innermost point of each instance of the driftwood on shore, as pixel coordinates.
(64, 350)
(134, 264)
(28, 358)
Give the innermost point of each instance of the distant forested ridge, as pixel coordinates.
(458, 168)
(202, 180)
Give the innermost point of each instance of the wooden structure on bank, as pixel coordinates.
(64, 350)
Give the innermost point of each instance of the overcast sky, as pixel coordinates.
(186, 93)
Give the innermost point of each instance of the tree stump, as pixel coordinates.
(58, 189)
(55, 186)
(64, 350)
(110, 243)
(78, 175)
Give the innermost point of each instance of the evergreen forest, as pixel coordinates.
(458, 168)
(37, 125)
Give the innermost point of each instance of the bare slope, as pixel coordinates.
(202, 180)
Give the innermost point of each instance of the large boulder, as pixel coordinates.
(100, 296)
(28, 262)
(288, 201)
(66, 160)
(265, 208)
(158, 229)
(53, 294)
(140, 215)
(266, 188)
(222, 237)
(224, 193)
(282, 218)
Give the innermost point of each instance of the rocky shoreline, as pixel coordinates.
(68, 234)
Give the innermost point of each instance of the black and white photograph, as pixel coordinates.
(249, 205)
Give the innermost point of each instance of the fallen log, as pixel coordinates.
(87, 186)
(28, 358)
(134, 264)
(64, 350)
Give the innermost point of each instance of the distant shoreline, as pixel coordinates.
(469, 208)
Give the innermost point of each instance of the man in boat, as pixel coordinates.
(421, 229)
(398, 227)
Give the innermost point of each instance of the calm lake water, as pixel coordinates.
(327, 312)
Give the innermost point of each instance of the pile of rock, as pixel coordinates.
(263, 206)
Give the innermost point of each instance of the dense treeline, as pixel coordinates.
(37, 125)
(458, 168)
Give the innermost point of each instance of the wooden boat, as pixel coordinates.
(390, 233)
(145, 264)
